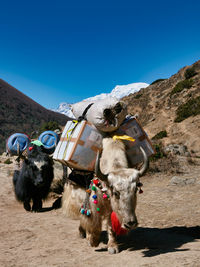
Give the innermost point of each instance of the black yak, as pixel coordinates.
(33, 180)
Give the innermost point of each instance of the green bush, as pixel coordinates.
(138, 96)
(190, 72)
(7, 161)
(159, 152)
(160, 135)
(157, 81)
(190, 108)
(182, 85)
(49, 126)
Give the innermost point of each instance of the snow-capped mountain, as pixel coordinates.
(123, 90)
(119, 91)
(65, 108)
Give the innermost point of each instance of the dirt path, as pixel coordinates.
(168, 234)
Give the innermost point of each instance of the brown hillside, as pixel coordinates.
(19, 113)
(157, 107)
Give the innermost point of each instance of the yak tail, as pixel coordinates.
(145, 164)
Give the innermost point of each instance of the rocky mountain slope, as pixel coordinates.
(19, 113)
(169, 109)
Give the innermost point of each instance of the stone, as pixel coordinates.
(181, 180)
(177, 149)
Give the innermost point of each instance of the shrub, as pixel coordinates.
(138, 96)
(182, 85)
(49, 126)
(157, 81)
(160, 135)
(159, 152)
(7, 161)
(190, 72)
(190, 108)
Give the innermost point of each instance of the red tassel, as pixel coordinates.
(116, 226)
(96, 181)
(140, 191)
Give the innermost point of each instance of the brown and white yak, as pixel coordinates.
(114, 190)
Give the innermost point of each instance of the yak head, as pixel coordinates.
(123, 185)
(123, 197)
(39, 166)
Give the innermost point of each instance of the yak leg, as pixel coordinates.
(112, 243)
(91, 229)
(37, 204)
(94, 237)
(27, 205)
(82, 232)
(94, 231)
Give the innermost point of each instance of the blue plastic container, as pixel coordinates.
(17, 140)
(49, 140)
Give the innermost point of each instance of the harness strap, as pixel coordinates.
(83, 116)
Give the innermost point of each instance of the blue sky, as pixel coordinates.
(65, 51)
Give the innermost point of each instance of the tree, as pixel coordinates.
(49, 126)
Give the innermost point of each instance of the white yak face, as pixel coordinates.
(124, 198)
(39, 164)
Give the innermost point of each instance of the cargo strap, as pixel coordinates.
(123, 137)
(75, 123)
(83, 116)
(69, 135)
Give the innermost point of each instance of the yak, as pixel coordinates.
(32, 182)
(114, 191)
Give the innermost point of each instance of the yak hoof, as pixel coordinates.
(113, 250)
(27, 206)
(37, 206)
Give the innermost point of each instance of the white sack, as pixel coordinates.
(96, 113)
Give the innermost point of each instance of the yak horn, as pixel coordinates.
(98, 172)
(146, 162)
(116, 123)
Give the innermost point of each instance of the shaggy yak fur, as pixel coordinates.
(121, 183)
(33, 180)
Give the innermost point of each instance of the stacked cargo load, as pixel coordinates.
(132, 127)
(78, 145)
(82, 138)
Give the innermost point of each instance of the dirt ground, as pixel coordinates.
(168, 232)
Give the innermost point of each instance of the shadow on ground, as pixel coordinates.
(56, 205)
(155, 241)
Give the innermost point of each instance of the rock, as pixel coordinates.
(4, 154)
(177, 180)
(152, 119)
(177, 149)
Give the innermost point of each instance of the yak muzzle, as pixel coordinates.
(130, 225)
